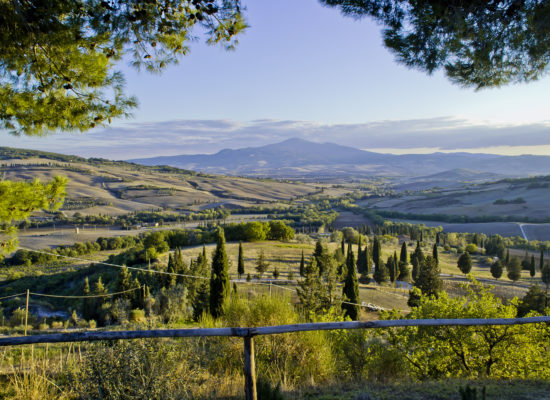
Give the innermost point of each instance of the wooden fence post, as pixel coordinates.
(249, 369)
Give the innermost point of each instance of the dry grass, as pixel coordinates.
(121, 189)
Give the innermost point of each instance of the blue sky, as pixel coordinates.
(304, 70)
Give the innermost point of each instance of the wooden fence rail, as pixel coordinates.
(249, 333)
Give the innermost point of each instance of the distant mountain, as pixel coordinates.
(301, 158)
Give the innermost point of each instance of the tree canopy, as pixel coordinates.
(58, 57)
(19, 199)
(477, 43)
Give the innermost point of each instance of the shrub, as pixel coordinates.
(137, 315)
(149, 369)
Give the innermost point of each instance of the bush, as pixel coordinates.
(149, 369)
(137, 315)
(292, 359)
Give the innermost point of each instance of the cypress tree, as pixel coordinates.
(310, 289)
(351, 288)
(429, 281)
(507, 256)
(403, 256)
(124, 280)
(395, 265)
(390, 268)
(367, 261)
(465, 263)
(360, 259)
(380, 271)
(514, 269)
(87, 303)
(376, 253)
(240, 264)
(497, 269)
(435, 254)
(219, 279)
(302, 265)
(343, 246)
(541, 261)
(170, 280)
(416, 259)
(532, 267)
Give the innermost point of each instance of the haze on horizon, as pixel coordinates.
(316, 75)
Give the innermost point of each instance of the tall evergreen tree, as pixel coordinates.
(403, 256)
(541, 260)
(391, 269)
(219, 279)
(497, 269)
(310, 289)
(435, 254)
(351, 288)
(343, 246)
(507, 257)
(416, 259)
(514, 269)
(381, 273)
(87, 303)
(429, 281)
(465, 263)
(240, 263)
(170, 280)
(532, 267)
(261, 263)
(302, 265)
(376, 253)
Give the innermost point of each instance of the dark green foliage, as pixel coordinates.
(429, 281)
(63, 53)
(302, 264)
(276, 273)
(351, 288)
(261, 263)
(534, 300)
(497, 269)
(265, 391)
(545, 275)
(404, 256)
(514, 269)
(532, 267)
(404, 272)
(477, 43)
(310, 289)
(469, 393)
(381, 273)
(541, 260)
(219, 279)
(240, 263)
(435, 254)
(465, 263)
(415, 294)
(417, 257)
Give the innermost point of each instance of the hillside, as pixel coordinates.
(300, 158)
(523, 199)
(98, 186)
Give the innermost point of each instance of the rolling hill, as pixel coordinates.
(98, 186)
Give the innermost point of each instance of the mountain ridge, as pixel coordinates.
(297, 157)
